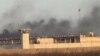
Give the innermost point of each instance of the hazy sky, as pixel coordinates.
(28, 10)
(49, 8)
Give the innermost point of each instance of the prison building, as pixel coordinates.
(66, 41)
(25, 41)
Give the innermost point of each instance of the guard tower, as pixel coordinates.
(25, 38)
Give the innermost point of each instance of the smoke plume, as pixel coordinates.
(90, 23)
(51, 17)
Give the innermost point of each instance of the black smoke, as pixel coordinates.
(90, 23)
(41, 28)
(53, 27)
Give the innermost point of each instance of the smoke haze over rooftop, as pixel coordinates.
(15, 13)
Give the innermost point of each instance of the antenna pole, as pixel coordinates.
(79, 10)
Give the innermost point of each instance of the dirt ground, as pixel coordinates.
(95, 51)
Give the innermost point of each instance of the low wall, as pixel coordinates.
(65, 45)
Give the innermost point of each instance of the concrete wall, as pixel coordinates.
(84, 39)
(65, 45)
(84, 42)
(45, 40)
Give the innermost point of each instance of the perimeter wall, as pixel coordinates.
(66, 45)
(84, 42)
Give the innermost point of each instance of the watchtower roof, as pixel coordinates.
(25, 30)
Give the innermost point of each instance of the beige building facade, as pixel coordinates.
(71, 41)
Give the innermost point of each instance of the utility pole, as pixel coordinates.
(79, 11)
